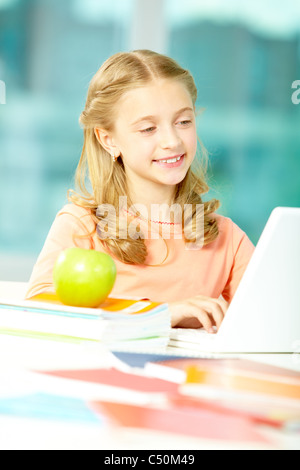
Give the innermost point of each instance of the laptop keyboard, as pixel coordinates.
(191, 334)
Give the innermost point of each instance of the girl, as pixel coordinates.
(142, 198)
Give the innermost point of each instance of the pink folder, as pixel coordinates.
(195, 422)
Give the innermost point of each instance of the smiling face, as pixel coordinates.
(155, 134)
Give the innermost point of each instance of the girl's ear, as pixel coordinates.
(106, 141)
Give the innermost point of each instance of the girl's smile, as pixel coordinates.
(170, 162)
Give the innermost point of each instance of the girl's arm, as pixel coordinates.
(207, 312)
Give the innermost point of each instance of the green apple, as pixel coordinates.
(83, 278)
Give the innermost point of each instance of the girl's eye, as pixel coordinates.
(185, 123)
(148, 130)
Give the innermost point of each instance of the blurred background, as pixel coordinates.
(244, 56)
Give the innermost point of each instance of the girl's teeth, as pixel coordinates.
(171, 160)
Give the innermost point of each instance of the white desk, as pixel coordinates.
(22, 355)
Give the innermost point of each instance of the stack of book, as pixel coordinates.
(116, 323)
(237, 400)
(224, 399)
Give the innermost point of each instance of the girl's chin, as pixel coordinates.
(172, 180)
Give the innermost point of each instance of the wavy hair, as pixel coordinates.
(107, 179)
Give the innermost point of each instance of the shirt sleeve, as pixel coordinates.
(242, 250)
(71, 227)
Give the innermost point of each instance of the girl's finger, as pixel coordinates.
(210, 306)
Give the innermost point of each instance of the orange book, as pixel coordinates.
(265, 393)
(270, 384)
(110, 304)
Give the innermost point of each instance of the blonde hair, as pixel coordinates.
(120, 73)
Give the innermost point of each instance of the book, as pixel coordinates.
(265, 393)
(131, 380)
(47, 406)
(95, 398)
(241, 388)
(117, 322)
(185, 420)
(137, 399)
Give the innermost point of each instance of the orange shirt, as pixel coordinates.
(215, 269)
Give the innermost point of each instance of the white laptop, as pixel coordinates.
(264, 315)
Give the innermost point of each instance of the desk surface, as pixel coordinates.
(24, 355)
(19, 377)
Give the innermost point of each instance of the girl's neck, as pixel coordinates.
(148, 202)
(146, 195)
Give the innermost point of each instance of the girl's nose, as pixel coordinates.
(169, 138)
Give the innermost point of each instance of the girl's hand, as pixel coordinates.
(197, 312)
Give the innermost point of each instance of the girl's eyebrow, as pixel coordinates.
(151, 118)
